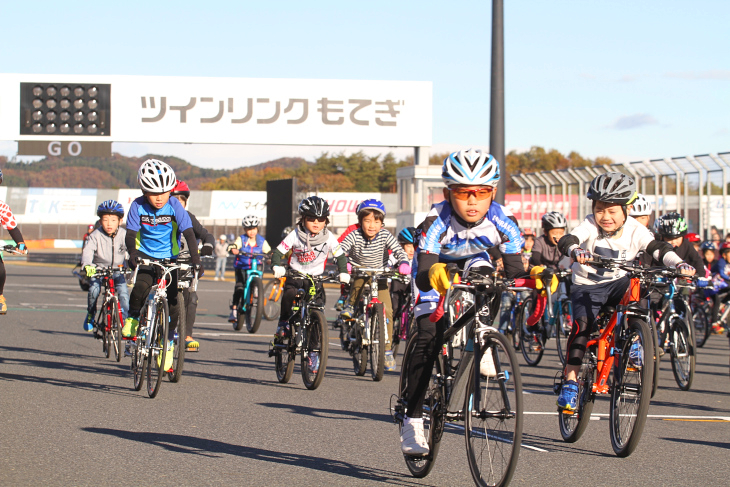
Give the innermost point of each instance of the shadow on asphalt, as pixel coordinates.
(328, 413)
(74, 384)
(716, 444)
(212, 448)
(558, 445)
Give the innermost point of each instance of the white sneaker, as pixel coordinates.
(412, 441)
(486, 366)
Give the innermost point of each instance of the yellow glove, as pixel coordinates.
(535, 274)
(439, 277)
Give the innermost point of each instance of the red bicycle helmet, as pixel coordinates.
(692, 237)
(724, 247)
(181, 189)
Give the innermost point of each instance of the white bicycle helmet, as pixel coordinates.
(553, 219)
(250, 221)
(156, 177)
(641, 206)
(471, 167)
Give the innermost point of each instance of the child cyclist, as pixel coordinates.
(545, 252)
(367, 247)
(250, 242)
(310, 243)
(7, 220)
(641, 210)
(459, 229)
(155, 223)
(721, 281)
(608, 232)
(105, 247)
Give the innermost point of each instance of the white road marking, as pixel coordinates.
(652, 416)
(524, 445)
(46, 305)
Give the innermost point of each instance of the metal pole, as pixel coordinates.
(679, 175)
(496, 116)
(656, 187)
(700, 214)
(721, 162)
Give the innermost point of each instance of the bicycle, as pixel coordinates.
(608, 365)
(187, 280)
(677, 334)
(272, 295)
(518, 313)
(307, 334)
(366, 332)
(401, 316)
(251, 305)
(701, 312)
(149, 346)
(489, 405)
(109, 317)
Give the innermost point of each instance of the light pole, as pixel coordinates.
(496, 116)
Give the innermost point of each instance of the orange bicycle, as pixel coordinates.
(272, 296)
(615, 361)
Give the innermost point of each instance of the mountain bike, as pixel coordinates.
(150, 345)
(489, 404)
(272, 297)
(109, 317)
(251, 305)
(615, 362)
(676, 332)
(307, 334)
(188, 279)
(366, 331)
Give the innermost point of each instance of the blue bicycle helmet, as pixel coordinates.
(110, 207)
(407, 236)
(707, 245)
(371, 204)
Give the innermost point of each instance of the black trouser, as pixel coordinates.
(241, 275)
(290, 290)
(191, 307)
(718, 299)
(146, 278)
(2, 276)
(398, 297)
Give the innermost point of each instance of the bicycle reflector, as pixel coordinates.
(70, 109)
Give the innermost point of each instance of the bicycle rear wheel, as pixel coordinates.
(563, 329)
(178, 355)
(433, 418)
(284, 361)
(139, 362)
(315, 349)
(493, 432)
(158, 350)
(105, 330)
(377, 342)
(359, 351)
(702, 326)
(531, 343)
(271, 305)
(572, 426)
(681, 344)
(255, 306)
(630, 391)
(395, 339)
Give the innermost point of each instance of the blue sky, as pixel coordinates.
(625, 79)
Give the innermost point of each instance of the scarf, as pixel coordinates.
(311, 239)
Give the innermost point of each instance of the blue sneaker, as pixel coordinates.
(340, 303)
(347, 312)
(568, 399)
(636, 355)
(89, 322)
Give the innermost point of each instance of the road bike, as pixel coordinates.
(366, 333)
(150, 345)
(272, 297)
(306, 334)
(251, 305)
(109, 317)
(615, 362)
(188, 279)
(484, 391)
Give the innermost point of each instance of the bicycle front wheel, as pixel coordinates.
(358, 350)
(702, 326)
(493, 423)
(178, 355)
(105, 329)
(531, 343)
(681, 345)
(158, 350)
(283, 360)
(139, 362)
(377, 342)
(432, 414)
(563, 329)
(630, 394)
(271, 305)
(116, 331)
(315, 350)
(255, 306)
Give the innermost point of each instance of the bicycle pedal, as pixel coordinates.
(566, 411)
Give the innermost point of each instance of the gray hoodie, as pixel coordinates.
(103, 250)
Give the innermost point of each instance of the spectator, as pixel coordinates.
(221, 257)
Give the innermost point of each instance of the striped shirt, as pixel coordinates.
(372, 253)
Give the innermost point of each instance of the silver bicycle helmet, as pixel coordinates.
(554, 219)
(156, 177)
(613, 187)
(250, 221)
(640, 206)
(471, 167)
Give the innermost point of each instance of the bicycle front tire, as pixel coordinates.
(683, 353)
(255, 307)
(158, 350)
(703, 329)
(377, 342)
(116, 331)
(531, 343)
(493, 433)
(271, 305)
(178, 356)
(563, 329)
(315, 348)
(572, 426)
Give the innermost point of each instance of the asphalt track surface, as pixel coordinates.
(69, 416)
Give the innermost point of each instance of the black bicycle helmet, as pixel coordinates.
(671, 225)
(314, 206)
(613, 187)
